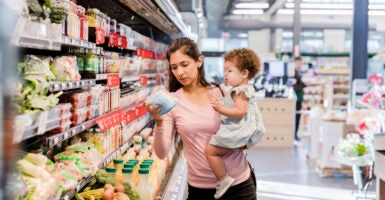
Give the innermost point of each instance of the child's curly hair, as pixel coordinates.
(245, 58)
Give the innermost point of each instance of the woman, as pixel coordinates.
(194, 119)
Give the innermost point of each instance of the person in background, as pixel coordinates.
(241, 123)
(298, 89)
(195, 121)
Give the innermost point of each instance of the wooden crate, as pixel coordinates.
(345, 171)
(279, 118)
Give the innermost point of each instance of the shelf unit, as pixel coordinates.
(124, 13)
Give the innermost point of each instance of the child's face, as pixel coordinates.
(233, 75)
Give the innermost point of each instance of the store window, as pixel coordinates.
(311, 40)
(376, 40)
(213, 49)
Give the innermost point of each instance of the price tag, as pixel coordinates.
(55, 141)
(19, 128)
(78, 187)
(143, 80)
(42, 122)
(100, 39)
(66, 135)
(113, 80)
(65, 197)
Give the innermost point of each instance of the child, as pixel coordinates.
(241, 123)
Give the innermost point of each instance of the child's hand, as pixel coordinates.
(215, 103)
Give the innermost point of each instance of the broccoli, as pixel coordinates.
(134, 195)
(102, 178)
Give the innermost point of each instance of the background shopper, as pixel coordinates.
(298, 89)
(194, 119)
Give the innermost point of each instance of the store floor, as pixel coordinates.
(282, 173)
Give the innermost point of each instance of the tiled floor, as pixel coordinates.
(282, 173)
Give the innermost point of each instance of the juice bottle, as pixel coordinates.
(112, 172)
(119, 166)
(127, 175)
(144, 188)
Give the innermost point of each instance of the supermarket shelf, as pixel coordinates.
(99, 77)
(341, 87)
(114, 154)
(130, 78)
(59, 86)
(37, 43)
(324, 54)
(67, 41)
(55, 139)
(69, 195)
(334, 73)
(50, 44)
(177, 182)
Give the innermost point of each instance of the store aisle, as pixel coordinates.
(283, 173)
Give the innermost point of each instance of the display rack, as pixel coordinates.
(177, 182)
(143, 25)
(60, 86)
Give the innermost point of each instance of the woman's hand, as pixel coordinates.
(154, 111)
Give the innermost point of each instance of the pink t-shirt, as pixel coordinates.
(195, 125)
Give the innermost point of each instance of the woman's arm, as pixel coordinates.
(236, 112)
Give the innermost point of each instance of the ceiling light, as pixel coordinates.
(377, 6)
(316, 12)
(285, 11)
(247, 12)
(326, 12)
(321, 5)
(376, 13)
(252, 5)
(334, 6)
(243, 35)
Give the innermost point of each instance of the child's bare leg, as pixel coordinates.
(214, 157)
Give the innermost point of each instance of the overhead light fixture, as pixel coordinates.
(326, 12)
(248, 12)
(376, 13)
(376, 6)
(334, 6)
(252, 5)
(285, 11)
(321, 5)
(315, 12)
(243, 35)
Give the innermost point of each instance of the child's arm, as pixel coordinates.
(236, 112)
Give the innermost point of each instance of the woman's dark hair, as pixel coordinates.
(245, 59)
(189, 48)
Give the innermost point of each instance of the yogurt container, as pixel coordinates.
(162, 98)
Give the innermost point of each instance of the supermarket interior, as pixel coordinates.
(76, 77)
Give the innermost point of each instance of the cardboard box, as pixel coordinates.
(330, 133)
(313, 129)
(279, 118)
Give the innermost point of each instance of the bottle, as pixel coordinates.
(127, 176)
(118, 163)
(144, 188)
(112, 172)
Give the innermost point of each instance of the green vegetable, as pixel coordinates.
(102, 178)
(132, 194)
(36, 159)
(361, 149)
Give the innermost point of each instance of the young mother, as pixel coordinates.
(196, 122)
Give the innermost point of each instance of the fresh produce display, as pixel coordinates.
(32, 94)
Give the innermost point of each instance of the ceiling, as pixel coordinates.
(219, 18)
